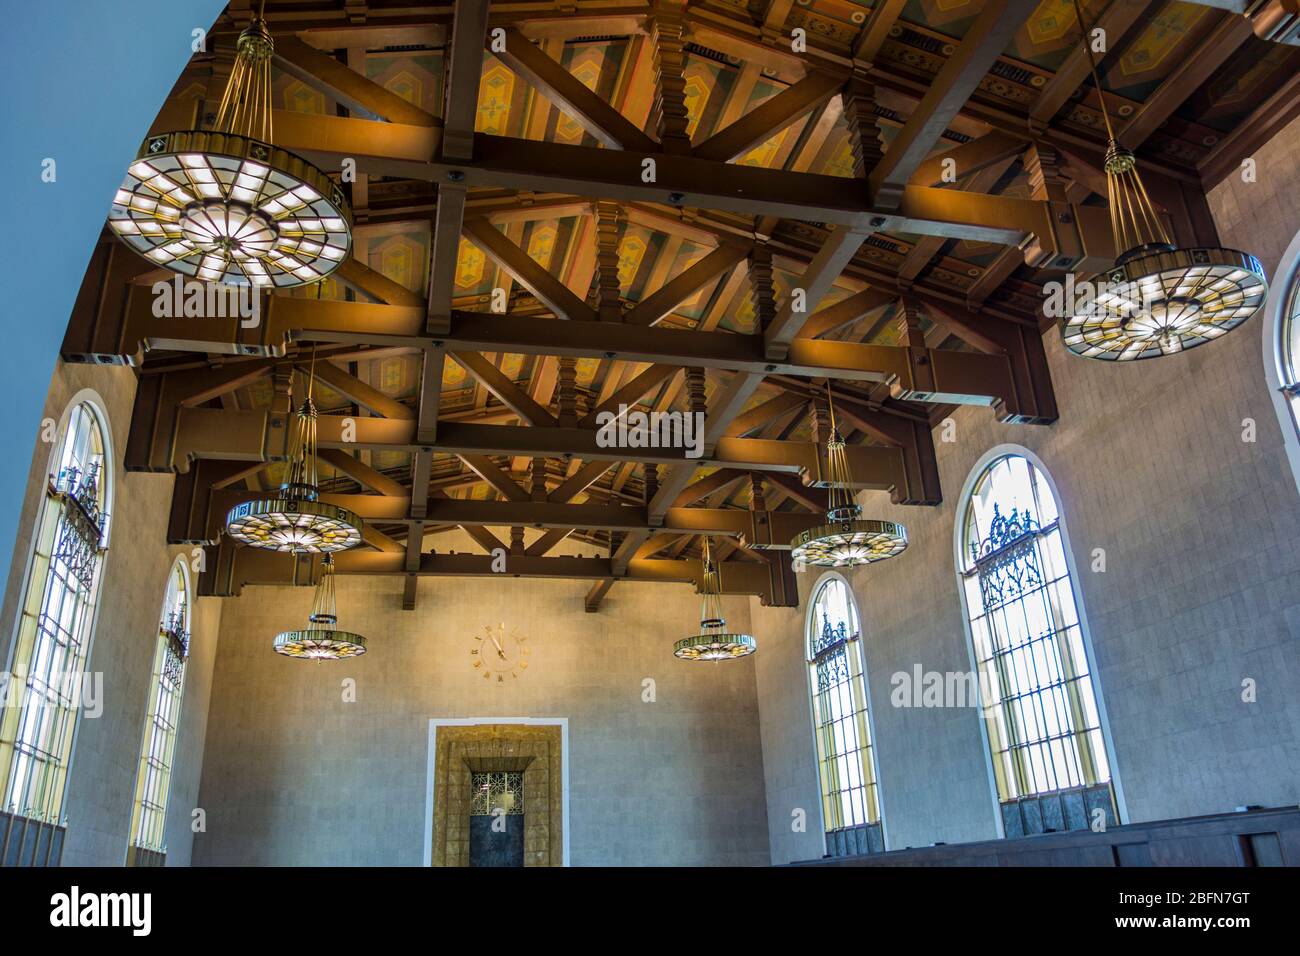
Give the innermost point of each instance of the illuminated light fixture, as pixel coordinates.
(321, 640)
(1158, 299)
(846, 540)
(713, 643)
(296, 520)
(225, 205)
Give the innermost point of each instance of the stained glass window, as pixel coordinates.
(47, 669)
(850, 805)
(153, 781)
(1038, 699)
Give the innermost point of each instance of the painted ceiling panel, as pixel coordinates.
(1170, 33)
(416, 77)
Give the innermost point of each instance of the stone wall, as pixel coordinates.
(107, 751)
(1201, 590)
(296, 775)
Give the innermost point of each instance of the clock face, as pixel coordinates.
(499, 654)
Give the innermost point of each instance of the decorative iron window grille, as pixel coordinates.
(495, 790)
(1007, 559)
(80, 537)
(829, 657)
(177, 651)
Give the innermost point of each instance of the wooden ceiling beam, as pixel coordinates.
(1267, 119)
(844, 313)
(351, 387)
(362, 473)
(609, 127)
(1187, 76)
(525, 270)
(714, 482)
(683, 180)
(229, 569)
(769, 118)
(547, 541)
(204, 522)
(464, 69)
(659, 304)
(631, 393)
(761, 415)
(960, 75)
(936, 376)
(991, 149)
(375, 285)
(349, 88)
(825, 268)
(506, 391)
(486, 469)
(579, 481)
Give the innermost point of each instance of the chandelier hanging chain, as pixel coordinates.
(302, 456)
(711, 590)
(245, 108)
(1134, 222)
(324, 608)
(840, 501)
(1092, 65)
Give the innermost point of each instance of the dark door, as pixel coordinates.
(502, 847)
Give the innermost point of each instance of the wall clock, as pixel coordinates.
(499, 653)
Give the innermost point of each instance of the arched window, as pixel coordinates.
(48, 659)
(1044, 728)
(153, 782)
(1282, 351)
(842, 725)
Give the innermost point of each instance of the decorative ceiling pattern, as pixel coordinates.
(735, 62)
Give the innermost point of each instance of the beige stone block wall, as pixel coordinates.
(295, 775)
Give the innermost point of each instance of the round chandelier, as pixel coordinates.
(713, 643)
(321, 640)
(1159, 299)
(295, 520)
(225, 205)
(846, 540)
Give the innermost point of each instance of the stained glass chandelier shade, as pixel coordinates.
(847, 539)
(1159, 299)
(713, 642)
(225, 205)
(295, 520)
(321, 640)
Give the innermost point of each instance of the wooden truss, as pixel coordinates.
(537, 452)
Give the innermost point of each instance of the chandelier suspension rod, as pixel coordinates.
(1092, 65)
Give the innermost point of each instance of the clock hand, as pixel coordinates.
(500, 652)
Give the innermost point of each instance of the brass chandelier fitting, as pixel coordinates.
(713, 642)
(225, 205)
(296, 520)
(847, 539)
(1158, 299)
(321, 640)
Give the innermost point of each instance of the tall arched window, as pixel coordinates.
(842, 725)
(47, 667)
(148, 844)
(1044, 728)
(1282, 351)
